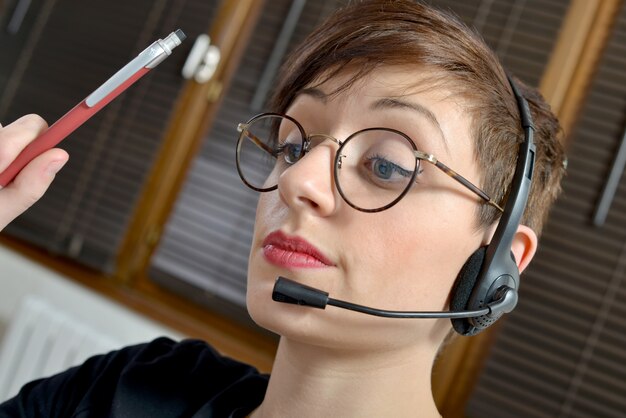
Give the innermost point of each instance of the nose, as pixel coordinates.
(308, 184)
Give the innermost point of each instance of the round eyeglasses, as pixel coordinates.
(374, 168)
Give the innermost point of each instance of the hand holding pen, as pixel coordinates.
(34, 179)
(120, 81)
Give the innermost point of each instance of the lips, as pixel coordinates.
(293, 252)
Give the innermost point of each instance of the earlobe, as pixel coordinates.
(524, 246)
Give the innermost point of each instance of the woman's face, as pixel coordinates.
(404, 258)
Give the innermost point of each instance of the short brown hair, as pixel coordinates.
(371, 33)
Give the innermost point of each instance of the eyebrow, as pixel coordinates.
(394, 103)
(387, 103)
(315, 93)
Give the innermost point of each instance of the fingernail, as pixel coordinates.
(55, 166)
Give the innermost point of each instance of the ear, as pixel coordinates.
(524, 246)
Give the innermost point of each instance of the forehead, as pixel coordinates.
(390, 81)
(393, 93)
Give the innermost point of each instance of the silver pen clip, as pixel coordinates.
(148, 58)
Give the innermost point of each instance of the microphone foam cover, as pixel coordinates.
(462, 289)
(289, 291)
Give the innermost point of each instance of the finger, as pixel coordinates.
(15, 136)
(30, 184)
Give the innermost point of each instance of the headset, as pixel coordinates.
(487, 284)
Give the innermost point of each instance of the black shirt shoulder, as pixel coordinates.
(162, 378)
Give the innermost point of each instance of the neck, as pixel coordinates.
(311, 381)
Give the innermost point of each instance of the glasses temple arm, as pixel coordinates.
(257, 141)
(469, 185)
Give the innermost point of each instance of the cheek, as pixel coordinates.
(270, 215)
(413, 264)
(260, 279)
(266, 210)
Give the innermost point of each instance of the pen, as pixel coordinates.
(120, 81)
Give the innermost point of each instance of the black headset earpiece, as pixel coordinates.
(463, 287)
(490, 276)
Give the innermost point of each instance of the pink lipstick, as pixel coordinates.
(293, 252)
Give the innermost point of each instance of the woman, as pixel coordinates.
(388, 229)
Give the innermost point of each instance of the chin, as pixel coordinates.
(289, 321)
(282, 319)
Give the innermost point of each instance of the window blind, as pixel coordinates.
(562, 353)
(204, 250)
(63, 51)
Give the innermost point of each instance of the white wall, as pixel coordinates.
(20, 276)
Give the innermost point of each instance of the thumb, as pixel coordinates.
(30, 184)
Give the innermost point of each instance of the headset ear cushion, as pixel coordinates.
(463, 287)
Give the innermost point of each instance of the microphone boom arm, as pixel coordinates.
(407, 314)
(289, 291)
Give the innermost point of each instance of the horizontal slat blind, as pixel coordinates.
(71, 48)
(522, 32)
(205, 246)
(13, 42)
(562, 352)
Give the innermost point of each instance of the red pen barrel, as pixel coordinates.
(61, 129)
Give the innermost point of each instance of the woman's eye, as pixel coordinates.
(291, 152)
(385, 170)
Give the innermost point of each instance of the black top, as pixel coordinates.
(159, 379)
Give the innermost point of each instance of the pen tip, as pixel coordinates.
(180, 34)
